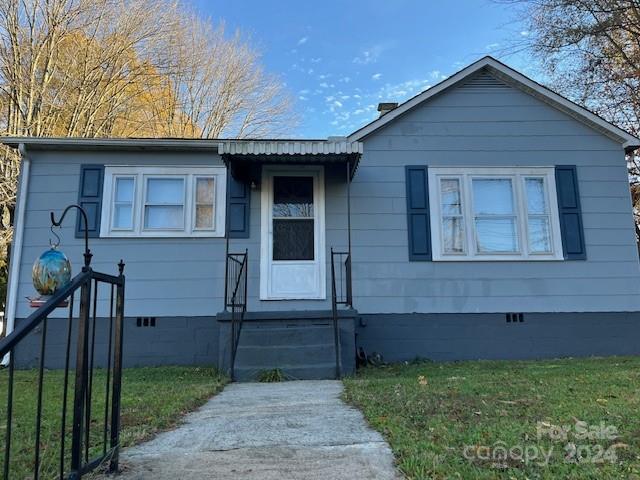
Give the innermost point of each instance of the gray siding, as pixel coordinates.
(462, 127)
(166, 277)
(170, 277)
(491, 127)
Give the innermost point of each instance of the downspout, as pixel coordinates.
(16, 248)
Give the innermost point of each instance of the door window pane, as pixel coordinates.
(123, 203)
(293, 197)
(204, 203)
(496, 235)
(293, 239)
(493, 196)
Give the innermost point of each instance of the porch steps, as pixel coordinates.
(301, 351)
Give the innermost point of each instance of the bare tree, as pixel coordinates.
(591, 50)
(125, 68)
(219, 88)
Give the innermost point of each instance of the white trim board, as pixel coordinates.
(140, 173)
(16, 257)
(470, 254)
(518, 80)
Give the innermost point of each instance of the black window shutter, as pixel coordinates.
(90, 199)
(418, 225)
(238, 200)
(570, 213)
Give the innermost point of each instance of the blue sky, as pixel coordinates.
(338, 59)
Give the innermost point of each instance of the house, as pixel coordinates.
(486, 218)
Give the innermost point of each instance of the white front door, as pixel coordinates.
(292, 252)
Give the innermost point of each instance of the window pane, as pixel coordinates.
(492, 196)
(452, 234)
(122, 216)
(165, 190)
(450, 191)
(293, 196)
(496, 235)
(204, 190)
(163, 217)
(124, 190)
(536, 202)
(292, 239)
(539, 235)
(204, 216)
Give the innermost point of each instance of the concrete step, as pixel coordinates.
(285, 335)
(318, 371)
(273, 356)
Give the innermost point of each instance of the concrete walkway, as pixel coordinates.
(290, 430)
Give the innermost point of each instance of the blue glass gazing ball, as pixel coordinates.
(51, 271)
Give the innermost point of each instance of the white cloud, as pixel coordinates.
(337, 104)
(303, 40)
(492, 46)
(524, 33)
(371, 55)
(376, 76)
(303, 98)
(324, 85)
(316, 60)
(304, 92)
(345, 79)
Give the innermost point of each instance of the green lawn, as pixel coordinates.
(492, 419)
(153, 399)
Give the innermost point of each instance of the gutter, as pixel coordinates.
(16, 248)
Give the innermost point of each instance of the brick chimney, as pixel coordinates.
(386, 107)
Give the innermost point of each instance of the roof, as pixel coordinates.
(518, 80)
(290, 147)
(331, 151)
(78, 143)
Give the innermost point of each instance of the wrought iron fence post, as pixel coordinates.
(80, 391)
(117, 372)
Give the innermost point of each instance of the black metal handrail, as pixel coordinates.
(341, 294)
(236, 299)
(86, 355)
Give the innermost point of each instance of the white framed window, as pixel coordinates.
(494, 213)
(163, 202)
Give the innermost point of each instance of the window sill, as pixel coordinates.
(499, 258)
(163, 235)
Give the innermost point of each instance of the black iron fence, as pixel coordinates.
(93, 442)
(236, 299)
(340, 296)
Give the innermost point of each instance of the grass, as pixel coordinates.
(153, 399)
(271, 376)
(440, 418)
